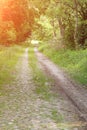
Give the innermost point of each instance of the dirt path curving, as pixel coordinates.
(23, 109)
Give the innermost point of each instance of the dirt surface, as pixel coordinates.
(23, 109)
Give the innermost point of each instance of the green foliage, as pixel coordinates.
(68, 20)
(74, 62)
(8, 59)
(42, 29)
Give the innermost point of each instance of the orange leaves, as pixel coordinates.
(13, 12)
(21, 17)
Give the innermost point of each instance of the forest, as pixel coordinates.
(43, 64)
(62, 22)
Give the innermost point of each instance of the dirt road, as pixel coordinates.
(73, 91)
(23, 109)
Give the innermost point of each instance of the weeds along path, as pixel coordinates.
(23, 109)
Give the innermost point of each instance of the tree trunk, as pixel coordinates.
(76, 24)
(62, 29)
(54, 30)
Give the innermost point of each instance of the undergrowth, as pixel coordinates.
(74, 62)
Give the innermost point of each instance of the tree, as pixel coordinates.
(17, 19)
(70, 17)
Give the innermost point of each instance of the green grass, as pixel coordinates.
(42, 86)
(74, 62)
(41, 81)
(56, 116)
(8, 59)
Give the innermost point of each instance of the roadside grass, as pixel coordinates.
(8, 59)
(74, 62)
(41, 81)
(56, 116)
(43, 88)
